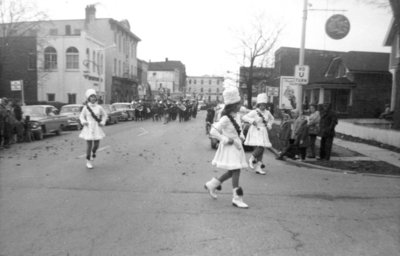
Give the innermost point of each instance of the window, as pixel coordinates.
(51, 97)
(190, 81)
(119, 68)
(72, 58)
(115, 66)
(71, 98)
(201, 90)
(201, 81)
(209, 81)
(209, 90)
(94, 61)
(32, 61)
(68, 30)
(50, 58)
(195, 81)
(53, 32)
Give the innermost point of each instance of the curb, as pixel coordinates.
(273, 150)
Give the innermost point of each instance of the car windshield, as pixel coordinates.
(71, 109)
(33, 111)
(121, 106)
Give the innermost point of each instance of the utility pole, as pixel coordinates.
(299, 101)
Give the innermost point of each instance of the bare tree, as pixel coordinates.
(257, 46)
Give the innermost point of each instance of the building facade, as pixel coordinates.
(68, 66)
(205, 88)
(356, 84)
(18, 62)
(167, 78)
(392, 40)
(118, 44)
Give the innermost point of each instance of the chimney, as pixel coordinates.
(166, 59)
(90, 13)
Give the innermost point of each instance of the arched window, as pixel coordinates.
(72, 58)
(50, 58)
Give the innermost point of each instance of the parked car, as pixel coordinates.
(44, 119)
(113, 114)
(72, 111)
(127, 112)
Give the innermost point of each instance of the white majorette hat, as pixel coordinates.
(89, 93)
(262, 98)
(231, 95)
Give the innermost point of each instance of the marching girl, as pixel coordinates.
(92, 118)
(230, 154)
(261, 121)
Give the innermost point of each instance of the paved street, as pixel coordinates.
(145, 196)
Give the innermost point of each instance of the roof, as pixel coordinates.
(366, 61)
(168, 65)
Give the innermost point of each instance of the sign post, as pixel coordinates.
(18, 85)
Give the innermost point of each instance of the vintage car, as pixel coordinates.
(44, 119)
(127, 112)
(72, 111)
(113, 114)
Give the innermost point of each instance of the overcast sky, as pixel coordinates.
(204, 34)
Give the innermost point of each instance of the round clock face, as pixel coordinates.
(337, 26)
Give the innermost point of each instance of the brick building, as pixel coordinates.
(18, 62)
(357, 84)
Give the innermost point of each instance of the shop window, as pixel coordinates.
(71, 98)
(51, 97)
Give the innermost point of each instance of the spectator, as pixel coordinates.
(386, 113)
(313, 128)
(328, 123)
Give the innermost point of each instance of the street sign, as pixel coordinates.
(16, 85)
(301, 74)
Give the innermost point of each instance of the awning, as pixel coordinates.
(338, 83)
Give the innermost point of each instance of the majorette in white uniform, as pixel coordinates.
(258, 133)
(92, 131)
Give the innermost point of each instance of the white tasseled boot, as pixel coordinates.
(211, 186)
(258, 168)
(238, 198)
(89, 164)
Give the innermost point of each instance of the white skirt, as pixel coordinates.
(92, 131)
(257, 137)
(229, 157)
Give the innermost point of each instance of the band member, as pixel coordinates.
(261, 121)
(92, 117)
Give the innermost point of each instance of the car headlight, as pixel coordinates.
(35, 125)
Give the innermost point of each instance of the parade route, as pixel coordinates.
(145, 196)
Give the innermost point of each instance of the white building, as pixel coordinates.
(163, 81)
(70, 65)
(207, 88)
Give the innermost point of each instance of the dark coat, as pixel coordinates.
(328, 123)
(286, 131)
(302, 138)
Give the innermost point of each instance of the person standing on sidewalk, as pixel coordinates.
(261, 121)
(230, 153)
(328, 123)
(92, 118)
(313, 128)
(302, 139)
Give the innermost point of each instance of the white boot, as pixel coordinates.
(258, 169)
(251, 161)
(211, 186)
(238, 198)
(89, 164)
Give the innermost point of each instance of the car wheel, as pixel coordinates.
(38, 135)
